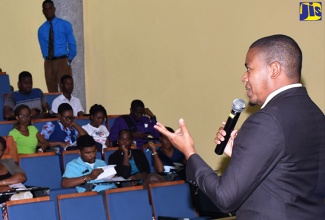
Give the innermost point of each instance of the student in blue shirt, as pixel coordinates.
(86, 168)
(57, 62)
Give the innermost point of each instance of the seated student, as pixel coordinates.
(168, 155)
(26, 136)
(67, 97)
(86, 168)
(140, 122)
(95, 128)
(32, 97)
(130, 163)
(10, 173)
(64, 132)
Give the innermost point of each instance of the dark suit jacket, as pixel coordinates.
(277, 168)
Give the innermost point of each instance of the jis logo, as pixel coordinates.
(310, 11)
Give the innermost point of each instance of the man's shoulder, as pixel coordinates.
(42, 26)
(11, 94)
(62, 21)
(75, 163)
(60, 98)
(75, 99)
(121, 118)
(37, 91)
(99, 163)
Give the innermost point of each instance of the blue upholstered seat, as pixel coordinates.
(54, 193)
(172, 199)
(50, 97)
(128, 203)
(42, 169)
(82, 206)
(36, 208)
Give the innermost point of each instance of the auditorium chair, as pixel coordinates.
(50, 97)
(128, 203)
(172, 200)
(54, 193)
(42, 169)
(81, 206)
(35, 208)
(6, 127)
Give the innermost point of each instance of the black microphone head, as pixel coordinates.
(238, 105)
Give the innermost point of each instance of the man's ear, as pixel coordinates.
(276, 69)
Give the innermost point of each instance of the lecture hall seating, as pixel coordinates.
(134, 199)
(4, 89)
(34, 208)
(42, 169)
(81, 206)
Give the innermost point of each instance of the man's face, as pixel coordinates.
(256, 77)
(67, 86)
(137, 113)
(88, 154)
(66, 118)
(49, 11)
(25, 85)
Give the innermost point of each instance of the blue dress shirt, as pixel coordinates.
(64, 40)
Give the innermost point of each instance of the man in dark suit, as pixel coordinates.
(277, 167)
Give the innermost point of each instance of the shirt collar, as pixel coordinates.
(53, 20)
(274, 93)
(63, 98)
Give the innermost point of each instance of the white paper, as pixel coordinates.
(109, 171)
(114, 179)
(18, 186)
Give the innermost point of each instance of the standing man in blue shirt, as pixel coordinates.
(58, 46)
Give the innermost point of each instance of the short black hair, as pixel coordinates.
(64, 107)
(47, 1)
(23, 75)
(123, 131)
(85, 141)
(20, 107)
(97, 108)
(137, 103)
(283, 49)
(3, 142)
(168, 129)
(64, 77)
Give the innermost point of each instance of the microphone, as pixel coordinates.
(238, 105)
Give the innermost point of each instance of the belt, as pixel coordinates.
(57, 58)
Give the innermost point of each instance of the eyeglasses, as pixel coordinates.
(68, 118)
(25, 116)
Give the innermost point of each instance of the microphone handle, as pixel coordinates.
(229, 127)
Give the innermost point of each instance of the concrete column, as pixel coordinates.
(72, 11)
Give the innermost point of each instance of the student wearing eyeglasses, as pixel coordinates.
(64, 132)
(26, 136)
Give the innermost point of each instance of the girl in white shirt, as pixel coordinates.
(95, 128)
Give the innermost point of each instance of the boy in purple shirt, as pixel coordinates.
(140, 122)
